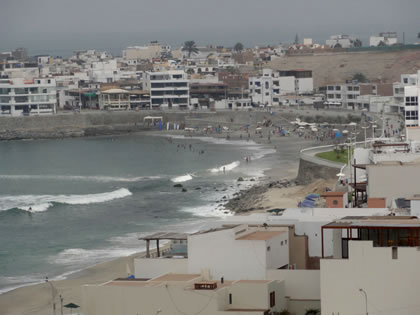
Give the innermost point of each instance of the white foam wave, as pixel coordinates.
(104, 179)
(208, 211)
(226, 168)
(182, 178)
(80, 256)
(40, 203)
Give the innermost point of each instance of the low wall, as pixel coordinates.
(310, 171)
(78, 125)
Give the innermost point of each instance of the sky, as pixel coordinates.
(61, 26)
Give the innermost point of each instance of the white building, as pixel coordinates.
(374, 267)
(343, 95)
(168, 89)
(267, 88)
(184, 294)
(253, 249)
(27, 97)
(411, 99)
(17, 69)
(342, 41)
(384, 39)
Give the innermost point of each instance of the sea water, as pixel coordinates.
(68, 204)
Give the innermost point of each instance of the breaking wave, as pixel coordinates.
(182, 178)
(227, 167)
(40, 203)
(104, 179)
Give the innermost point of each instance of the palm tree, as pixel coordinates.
(238, 47)
(190, 47)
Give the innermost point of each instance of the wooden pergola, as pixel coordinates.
(167, 236)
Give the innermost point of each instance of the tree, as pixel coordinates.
(381, 44)
(338, 45)
(360, 77)
(190, 71)
(238, 47)
(190, 47)
(357, 43)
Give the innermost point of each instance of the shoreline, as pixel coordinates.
(38, 296)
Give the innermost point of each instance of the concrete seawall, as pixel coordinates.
(79, 125)
(312, 167)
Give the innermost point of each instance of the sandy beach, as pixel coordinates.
(36, 299)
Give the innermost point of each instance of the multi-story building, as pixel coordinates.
(384, 39)
(342, 95)
(168, 89)
(267, 88)
(27, 97)
(407, 94)
(17, 69)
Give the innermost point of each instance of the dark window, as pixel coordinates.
(272, 299)
(394, 252)
(230, 298)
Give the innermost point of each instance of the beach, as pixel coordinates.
(275, 189)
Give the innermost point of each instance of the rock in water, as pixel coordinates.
(240, 179)
(178, 185)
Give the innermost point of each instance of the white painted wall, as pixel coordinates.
(179, 298)
(147, 268)
(227, 257)
(392, 285)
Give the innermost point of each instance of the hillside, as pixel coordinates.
(337, 67)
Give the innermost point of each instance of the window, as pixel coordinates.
(267, 93)
(394, 252)
(272, 299)
(330, 88)
(230, 298)
(268, 248)
(267, 85)
(411, 115)
(405, 80)
(281, 243)
(335, 202)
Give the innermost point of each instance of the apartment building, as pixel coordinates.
(374, 267)
(27, 97)
(407, 94)
(267, 88)
(16, 69)
(384, 39)
(342, 95)
(168, 89)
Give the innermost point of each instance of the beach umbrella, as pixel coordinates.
(352, 124)
(71, 306)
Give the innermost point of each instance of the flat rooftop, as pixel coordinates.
(260, 235)
(375, 221)
(176, 277)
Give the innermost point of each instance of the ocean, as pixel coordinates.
(69, 204)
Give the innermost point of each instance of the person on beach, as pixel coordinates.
(224, 170)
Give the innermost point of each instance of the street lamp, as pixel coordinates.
(53, 293)
(365, 294)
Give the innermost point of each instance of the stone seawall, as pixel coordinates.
(79, 125)
(310, 171)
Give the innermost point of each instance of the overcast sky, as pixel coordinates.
(111, 23)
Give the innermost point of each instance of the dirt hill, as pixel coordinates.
(385, 67)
